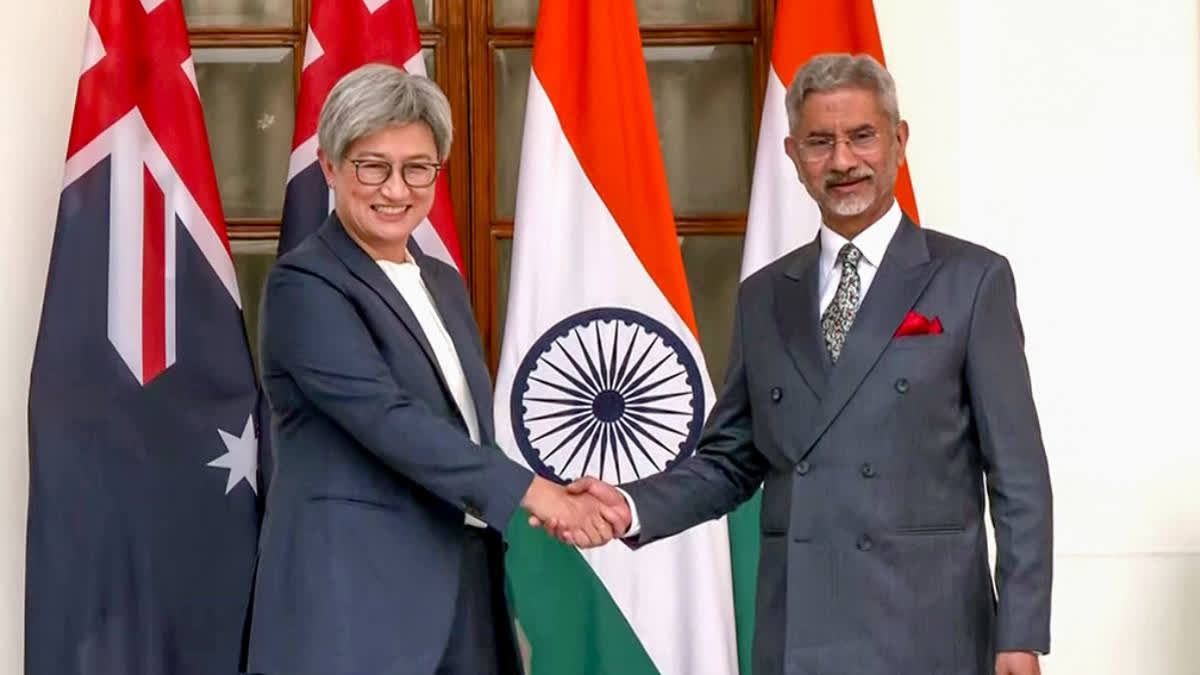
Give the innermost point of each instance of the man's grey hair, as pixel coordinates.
(375, 97)
(826, 72)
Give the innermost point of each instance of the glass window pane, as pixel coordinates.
(237, 13)
(511, 86)
(712, 264)
(252, 261)
(424, 10)
(514, 13)
(503, 267)
(427, 55)
(668, 12)
(249, 110)
(650, 12)
(702, 105)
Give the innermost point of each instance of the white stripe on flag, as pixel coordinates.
(302, 157)
(416, 64)
(430, 242)
(569, 255)
(312, 49)
(782, 215)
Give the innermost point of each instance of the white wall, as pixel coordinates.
(40, 48)
(1066, 135)
(1063, 133)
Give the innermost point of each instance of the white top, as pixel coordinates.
(406, 277)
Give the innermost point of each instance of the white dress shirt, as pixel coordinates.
(406, 277)
(871, 242)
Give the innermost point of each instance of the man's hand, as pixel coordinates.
(617, 513)
(614, 509)
(578, 519)
(599, 495)
(1017, 663)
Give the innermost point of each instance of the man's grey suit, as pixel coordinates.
(874, 557)
(362, 542)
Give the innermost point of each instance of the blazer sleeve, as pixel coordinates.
(312, 333)
(1018, 479)
(726, 470)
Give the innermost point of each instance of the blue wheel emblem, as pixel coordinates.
(610, 393)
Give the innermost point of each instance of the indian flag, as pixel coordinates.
(782, 216)
(601, 373)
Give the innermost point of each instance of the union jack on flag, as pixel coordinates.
(343, 35)
(144, 448)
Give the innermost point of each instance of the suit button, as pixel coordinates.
(902, 385)
(802, 468)
(864, 543)
(776, 394)
(868, 471)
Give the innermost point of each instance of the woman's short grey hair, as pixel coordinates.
(827, 72)
(375, 97)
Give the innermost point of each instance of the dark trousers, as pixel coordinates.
(481, 641)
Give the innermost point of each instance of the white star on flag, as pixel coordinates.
(242, 457)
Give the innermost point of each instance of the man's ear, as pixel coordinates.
(902, 139)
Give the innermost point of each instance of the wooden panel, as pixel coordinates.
(479, 74)
(450, 21)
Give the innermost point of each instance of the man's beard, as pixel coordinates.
(851, 205)
(856, 205)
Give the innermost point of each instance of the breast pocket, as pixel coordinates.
(911, 342)
(922, 358)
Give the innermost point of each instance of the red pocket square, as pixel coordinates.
(916, 324)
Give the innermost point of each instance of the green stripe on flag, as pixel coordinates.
(743, 559)
(569, 618)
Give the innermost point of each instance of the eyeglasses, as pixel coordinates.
(414, 174)
(862, 143)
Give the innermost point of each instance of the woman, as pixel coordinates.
(380, 550)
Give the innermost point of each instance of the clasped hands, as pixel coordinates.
(586, 513)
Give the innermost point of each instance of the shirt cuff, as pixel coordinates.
(635, 525)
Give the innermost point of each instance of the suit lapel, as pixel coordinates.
(370, 273)
(466, 341)
(798, 316)
(903, 274)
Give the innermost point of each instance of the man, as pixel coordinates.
(877, 384)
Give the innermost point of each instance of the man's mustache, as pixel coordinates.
(833, 178)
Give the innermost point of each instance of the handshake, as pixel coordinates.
(586, 513)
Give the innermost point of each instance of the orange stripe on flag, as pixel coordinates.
(588, 58)
(805, 28)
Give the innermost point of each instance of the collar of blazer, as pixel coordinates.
(461, 333)
(904, 272)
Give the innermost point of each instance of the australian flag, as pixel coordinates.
(343, 35)
(143, 501)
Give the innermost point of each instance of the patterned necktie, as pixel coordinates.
(839, 316)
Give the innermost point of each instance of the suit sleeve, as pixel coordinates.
(725, 471)
(312, 333)
(1018, 479)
